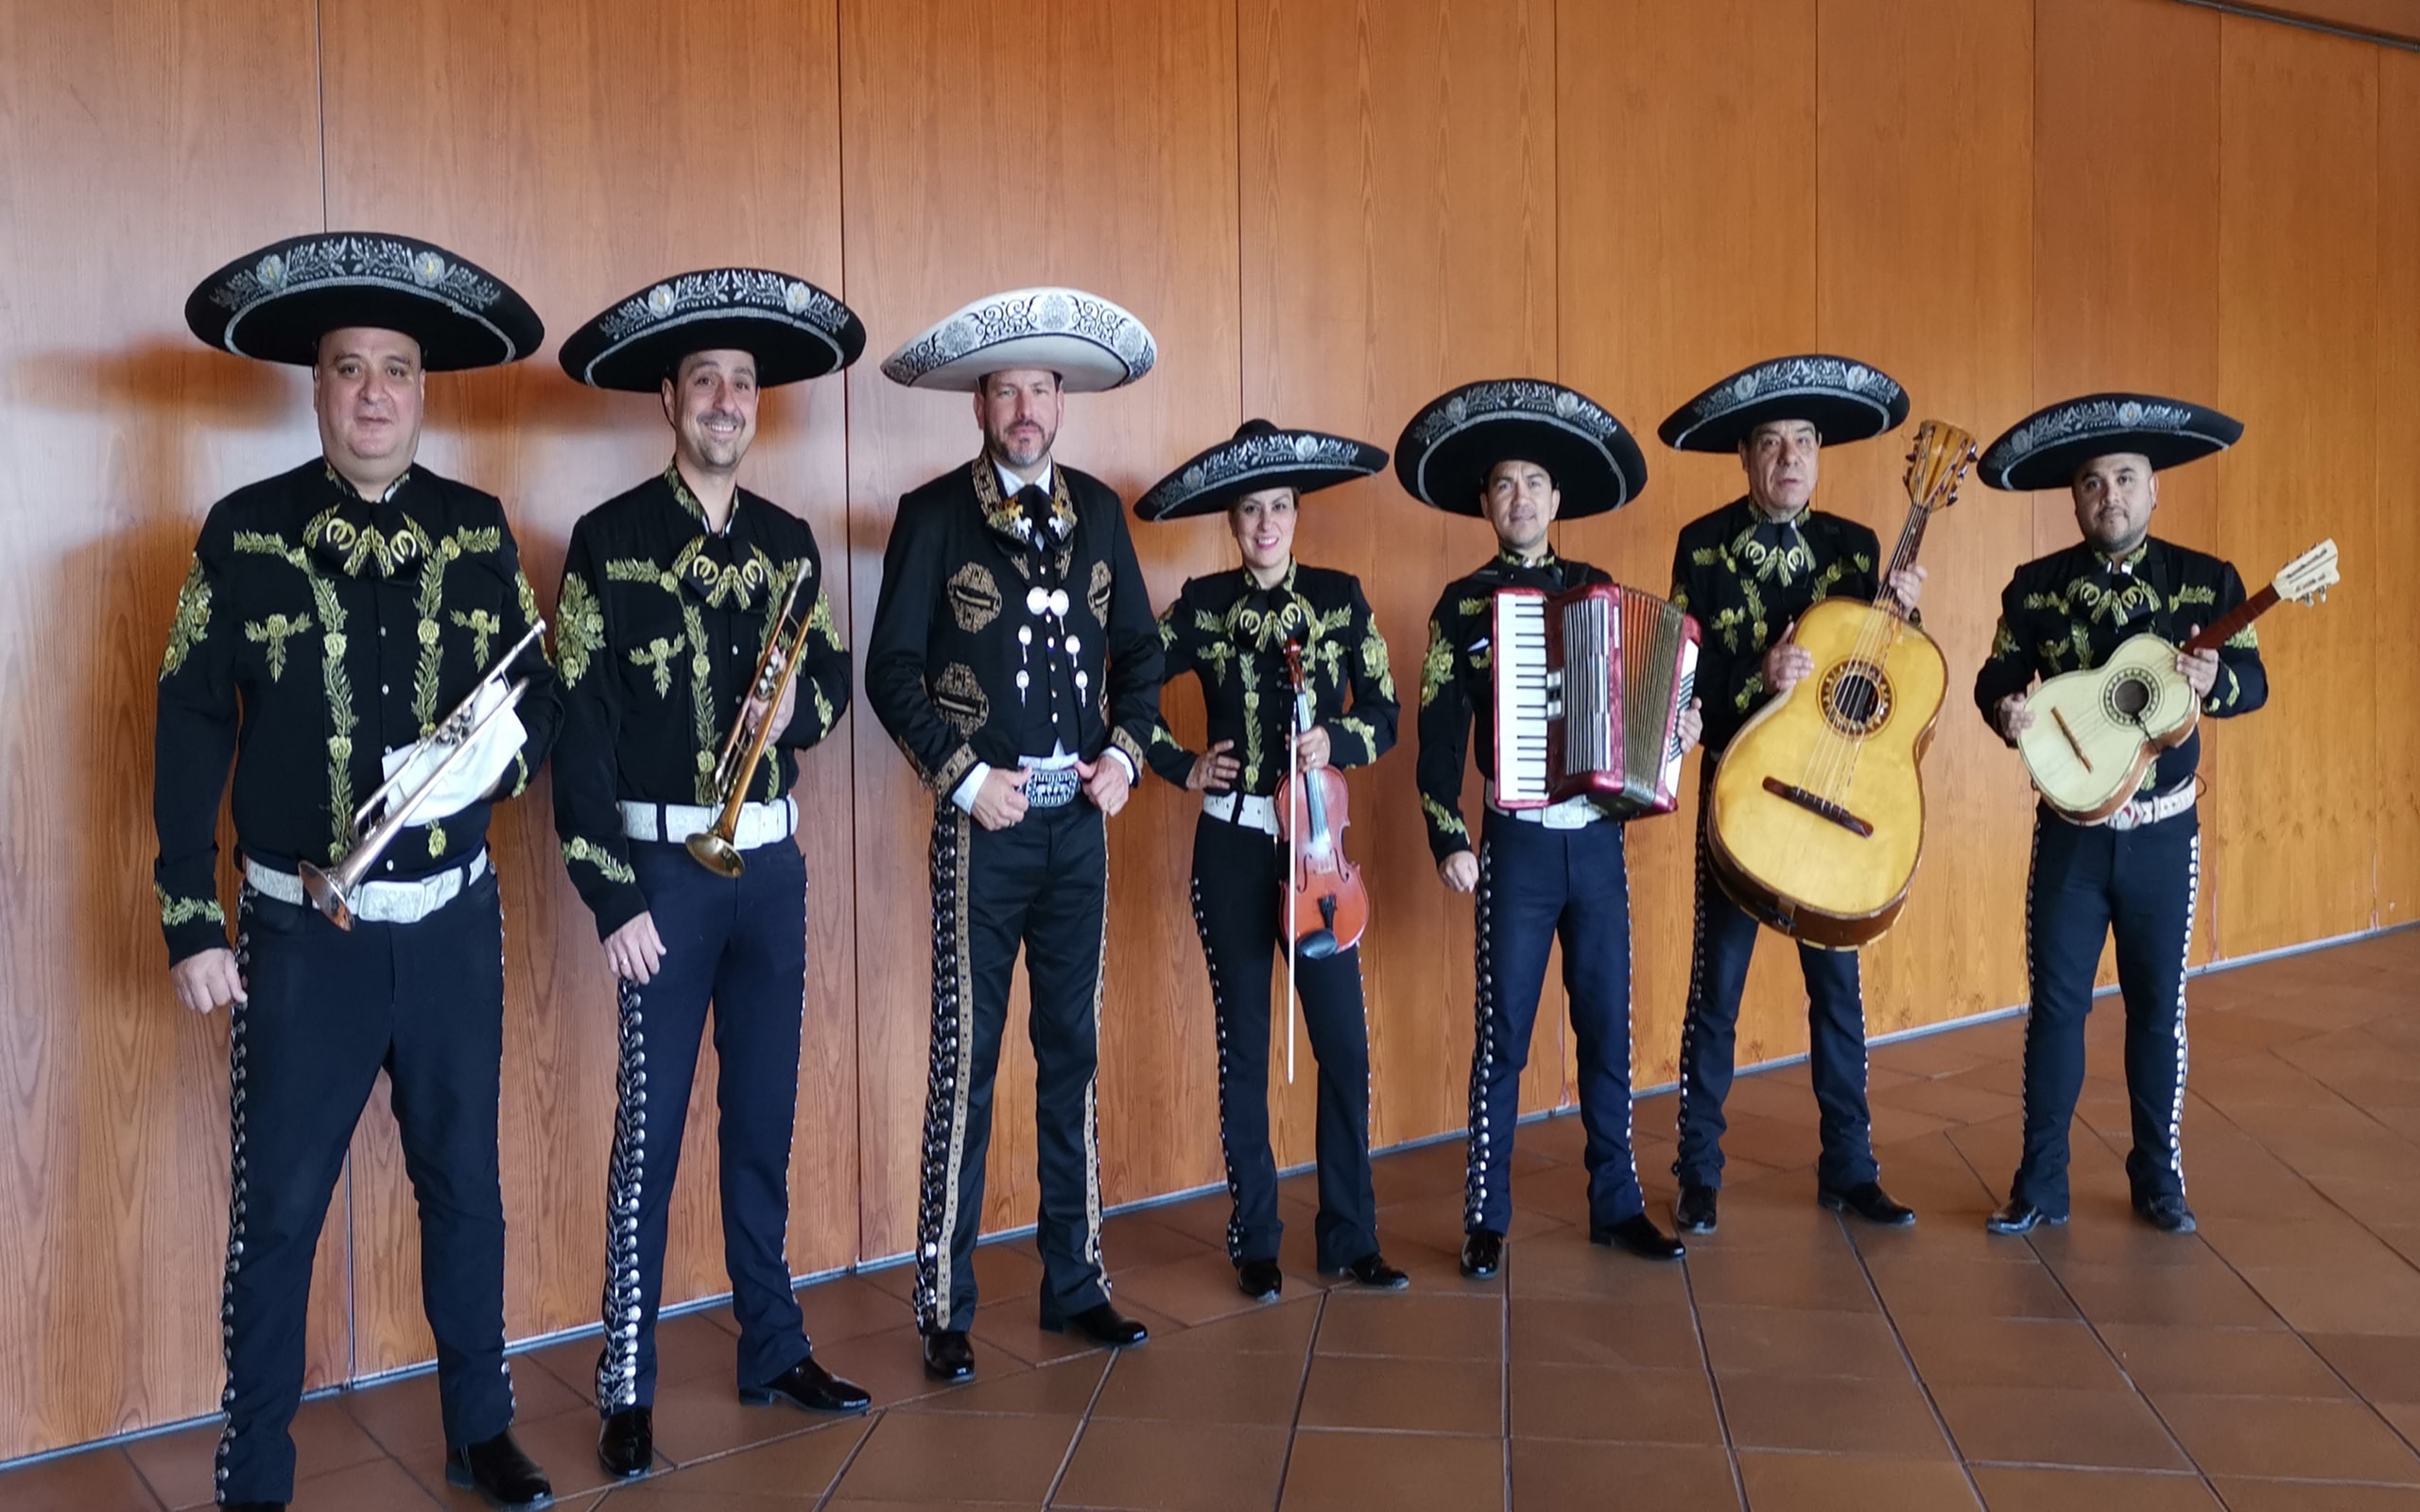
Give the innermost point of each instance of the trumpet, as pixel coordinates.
(785, 649)
(383, 814)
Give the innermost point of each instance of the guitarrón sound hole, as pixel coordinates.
(2130, 697)
(1856, 699)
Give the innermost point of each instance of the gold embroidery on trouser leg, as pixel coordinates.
(951, 1061)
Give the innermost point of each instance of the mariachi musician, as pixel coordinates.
(1522, 453)
(689, 606)
(1232, 630)
(2139, 872)
(1747, 571)
(333, 616)
(1015, 661)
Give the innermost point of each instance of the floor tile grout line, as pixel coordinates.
(1083, 1421)
(2363, 1397)
(1504, 1378)
(159, 1498)
(1714, 1384)
(1907, 1356)
(2093, 1326)
(1302, 1392)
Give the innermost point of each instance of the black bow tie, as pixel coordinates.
(1034, 499)
(1777, 535)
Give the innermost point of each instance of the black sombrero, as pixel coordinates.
(1445, 454)
(2042, 450)
(794, 329)
(1258, 457)
(1845, 400)
(1089, 342)
(276, 303)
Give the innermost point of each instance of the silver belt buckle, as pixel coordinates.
(1050, 787)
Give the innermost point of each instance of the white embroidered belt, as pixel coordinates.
(376, 903)
(1051, 782)
(673, 823)
(1245, 809)
(2144, 810)
(1571, 814)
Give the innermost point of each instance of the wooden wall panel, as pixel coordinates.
(669, 162)
(1687, 236)
(2396, 324)
(1924, 149)
(2387, 18)
(119, 433)
(1398, 235)
(2298, 243)
(1090, 144)
(2126, 257)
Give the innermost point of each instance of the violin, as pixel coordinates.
(1326, 906)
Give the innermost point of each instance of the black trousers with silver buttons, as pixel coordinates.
(1236, 873)
(737, 945)
(327, 1010)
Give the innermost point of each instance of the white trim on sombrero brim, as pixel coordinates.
(2099, 419)
(1275, 454)
(1838, 379)
(1516, 401)
(1090, 342)
(359, 260)
(721, 294)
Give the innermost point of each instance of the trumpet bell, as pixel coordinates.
(327, 895)
(717, 854)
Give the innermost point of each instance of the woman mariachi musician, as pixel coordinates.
(1242, 633)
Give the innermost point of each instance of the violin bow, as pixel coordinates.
(1293, 844)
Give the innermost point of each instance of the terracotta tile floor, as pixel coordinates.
(1795, 1361)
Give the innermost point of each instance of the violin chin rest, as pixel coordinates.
(1316, 946)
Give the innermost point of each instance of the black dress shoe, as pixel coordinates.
(1483, 1254)
(1372, 1271)
(1260, 1280)
(1694, 1212)
(810, 1385)
(2019, 1217)
(1099, 1322)
(2167, 1213)
(626, 1442)
(496, 1468)
(949, 1355)
(1868, 1201)
(1638, 1235)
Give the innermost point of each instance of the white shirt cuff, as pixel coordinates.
(971, 784)
(1134, 774)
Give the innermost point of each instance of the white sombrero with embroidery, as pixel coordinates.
(1091, 343)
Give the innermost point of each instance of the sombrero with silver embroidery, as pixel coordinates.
(794, 329)
(1089, 342)
(276, 303)
(1845, 400)
(2042, 450)
(1258, 457)
(1445, 452)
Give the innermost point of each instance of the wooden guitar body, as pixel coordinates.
(2095, 732)
(1817, 816)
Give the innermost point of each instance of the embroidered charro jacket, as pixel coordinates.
(1458, 684)
(316, 631)
(974, 594)
(658, 630)
(2071, 610)
(1747, 580)
(1232, 635)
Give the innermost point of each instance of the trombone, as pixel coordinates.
(332, 892)
(735, 769)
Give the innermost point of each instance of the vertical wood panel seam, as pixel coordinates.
(849, 575)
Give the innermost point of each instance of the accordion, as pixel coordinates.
(1589, 688)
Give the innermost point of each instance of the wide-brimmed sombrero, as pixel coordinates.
(1445, 452)
(1259, 455)
(794, 329)
(2045, 449)
(1089, 342)
(276, 303)
(1845, 401)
